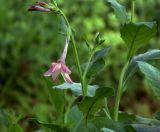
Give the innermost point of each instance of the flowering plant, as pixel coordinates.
(90, 111)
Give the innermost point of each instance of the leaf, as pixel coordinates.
(96, 67)
(56, 96)
(100, 53)
(145, 128)
(133, 67)
(90, 105)
(15, 128)
(96, 124)
(157, 115)
(137, 34)
(107, 130)
(77, 89)
(152, 75)
(4, 118)
(75, 117)
(52, 126)
(120, 11)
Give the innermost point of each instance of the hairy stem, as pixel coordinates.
(83, 83)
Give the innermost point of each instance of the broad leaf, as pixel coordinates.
(133, 67)
(90, 105)
(52, 126)
(75, 117)
(120, 11)
(76, 88)
(56, 96)
(137, 34)
(107, 130)
(96, 124)
(145, 128)
(152, 74)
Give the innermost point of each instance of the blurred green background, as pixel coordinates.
(29, 42)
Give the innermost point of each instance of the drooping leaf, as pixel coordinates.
(137, 34)
(90, 105)
(76, 88)
(52, 126)
(15, 128)
(152, 75)
(120, 11)
(133, 67)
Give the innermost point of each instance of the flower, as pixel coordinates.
(40, 6)
(59, 68)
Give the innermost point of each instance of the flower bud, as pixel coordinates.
(38, 8)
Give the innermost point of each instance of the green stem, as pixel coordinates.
(132, 10)
(83, 83)
(119, 92)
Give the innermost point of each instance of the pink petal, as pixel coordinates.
(65, 69)
(67, 78)
(52, 69)
(55, 75)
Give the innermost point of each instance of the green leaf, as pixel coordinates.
(75, 117)
(76, 88)
(52, 126)
(96, 67)
(137, 34)
(96, 124)
(120, 11)
(90, 105)
(145, 128)
(157, 115)
(4, 118)
(133, 67)
(56, 96)
(100, 54)
(15, 128)
(107, 130)
(152, 75)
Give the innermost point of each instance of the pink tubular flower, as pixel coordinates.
(60, 68)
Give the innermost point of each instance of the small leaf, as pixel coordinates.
(76, 88)
(120, 11)
(52, 126)
(91, 104)
(100, 54)
(133, 67)
(96, 67)
(137, 34)
(152, 75)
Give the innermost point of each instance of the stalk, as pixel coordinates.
(83, 83)
(132, 10)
